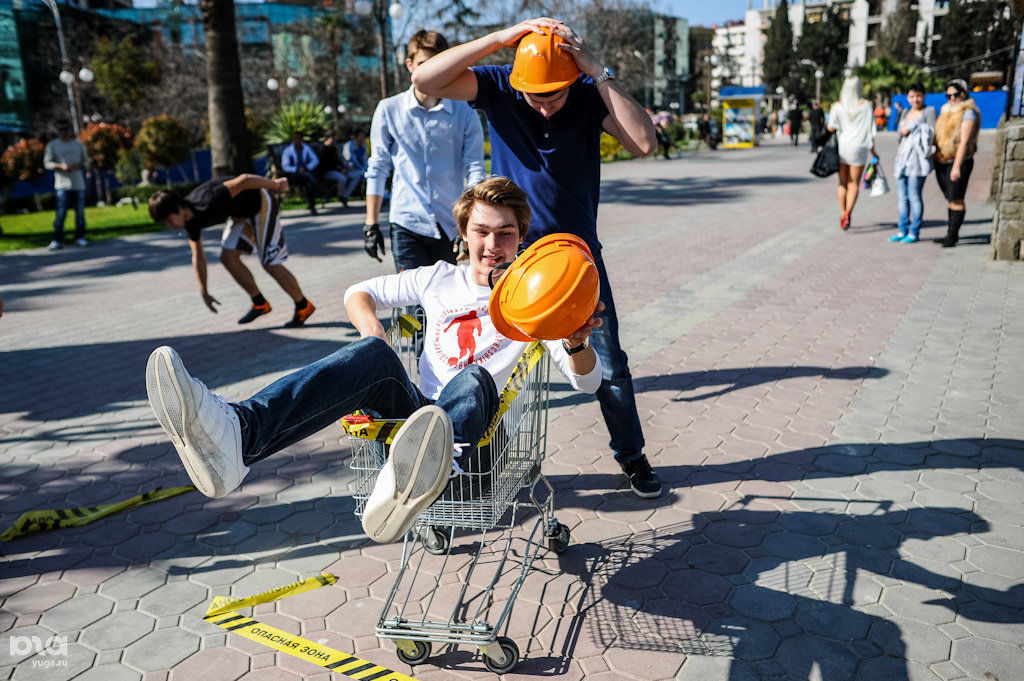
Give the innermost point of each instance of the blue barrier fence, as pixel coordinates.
(992, 104)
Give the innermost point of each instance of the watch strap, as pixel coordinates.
(572, 351)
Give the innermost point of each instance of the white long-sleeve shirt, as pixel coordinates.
(290, 159)
(459, 329)
(433, 153)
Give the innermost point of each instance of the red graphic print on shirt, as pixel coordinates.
(469, 328)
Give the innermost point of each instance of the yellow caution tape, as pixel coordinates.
(383, 430)
(31, 522)
(222, 613)
(407, 327)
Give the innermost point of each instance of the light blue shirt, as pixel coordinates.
(434, 153)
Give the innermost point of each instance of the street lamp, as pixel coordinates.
(647, 82)
(66, 76)
(818, 75)
(380, 10)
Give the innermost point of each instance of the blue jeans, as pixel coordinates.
(908, 193)
(63, 196)
(309, 186)
(412, 250)
(364, 375)
(618, 404)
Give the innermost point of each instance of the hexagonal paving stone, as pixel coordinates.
(998, 560)
(39, 598)
(77, 660)
(696, 587)
(216, 664)
(77, 613)
(799, 654)
(749, 639)
(734, 533)
(306, 523)
(868, 533)
(912, 601)
(133, 583)
(988, 659)
(834, 621)
(805, 522)
(110, 672)
(161, 649)
(117, 630)
(173, 599)
(719, 560)
(793, 546)
(761, 603)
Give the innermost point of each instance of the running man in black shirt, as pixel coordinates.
(249, 208)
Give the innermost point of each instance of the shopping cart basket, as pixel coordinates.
(485, 498)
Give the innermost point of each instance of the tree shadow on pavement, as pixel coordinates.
(695, 384)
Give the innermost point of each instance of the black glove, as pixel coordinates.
(460, 248)
(373, 240)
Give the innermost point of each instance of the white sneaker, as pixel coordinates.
(202, 426)
(82, 243)
(413, 476)
(55, 246)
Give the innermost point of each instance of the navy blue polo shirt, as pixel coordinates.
(556, 161)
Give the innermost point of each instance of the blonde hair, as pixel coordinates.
(495, 191)
(851, 93)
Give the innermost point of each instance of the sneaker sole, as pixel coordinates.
(173, 409)
(413, 476)
(645, 495)
(294, 324)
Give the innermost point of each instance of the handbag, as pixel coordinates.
(879, 184)
(827, 161)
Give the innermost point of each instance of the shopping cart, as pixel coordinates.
(485, 498)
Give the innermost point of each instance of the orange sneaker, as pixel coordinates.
(254, 312)
(301, 316)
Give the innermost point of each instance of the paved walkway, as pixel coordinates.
(838, 421)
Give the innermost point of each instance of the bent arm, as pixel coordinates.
(627, 121)
(237, 185)
(362, 312)
(448, 75)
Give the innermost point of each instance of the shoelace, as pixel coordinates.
(456, 468)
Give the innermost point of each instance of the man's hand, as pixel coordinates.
(954, 173)
(461, 249)
(580, 335)
(585, 59)
(281, 185)
(373, 241)
(511, 35)
(210, 301)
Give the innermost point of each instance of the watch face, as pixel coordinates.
(609, 72)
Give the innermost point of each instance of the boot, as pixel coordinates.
(956, 220)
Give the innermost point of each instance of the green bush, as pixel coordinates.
(298, 117)
(163, 142)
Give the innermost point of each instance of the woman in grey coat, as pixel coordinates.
(916, 127)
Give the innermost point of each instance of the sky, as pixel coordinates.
(706, 12)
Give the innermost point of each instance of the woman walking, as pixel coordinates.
(851, 118)
(956, 140)
(916, 127)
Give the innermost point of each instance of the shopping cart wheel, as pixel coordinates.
(421, 655)
(558, 541)
(436, 541)
(511, 650)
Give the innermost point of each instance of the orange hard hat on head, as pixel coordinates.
(549, 291)
(540, 66)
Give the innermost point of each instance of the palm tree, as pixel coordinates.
(225, 103)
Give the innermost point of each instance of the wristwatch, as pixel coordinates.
(606, 74)
(579, 348)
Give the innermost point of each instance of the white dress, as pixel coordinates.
(855, 132)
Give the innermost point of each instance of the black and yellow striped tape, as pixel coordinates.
(31, 522)
(382, 430)
(222, 613)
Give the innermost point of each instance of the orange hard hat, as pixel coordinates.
(540, 66)
(548, 292)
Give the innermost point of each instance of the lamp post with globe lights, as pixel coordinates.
(818, 75)
(380, 10)
(67, 76)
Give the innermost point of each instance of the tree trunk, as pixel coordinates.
(226, 105)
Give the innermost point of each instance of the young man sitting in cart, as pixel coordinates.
(448, 411)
